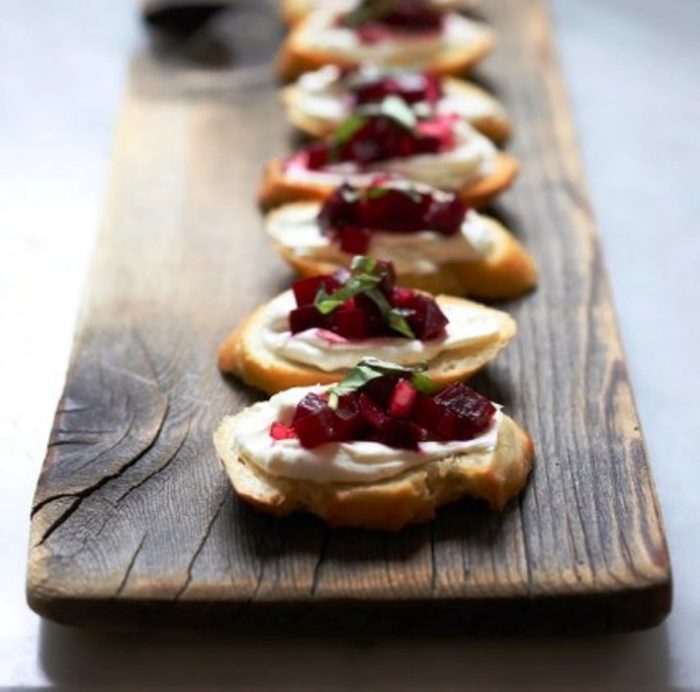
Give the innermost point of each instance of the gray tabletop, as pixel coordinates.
(631, 67)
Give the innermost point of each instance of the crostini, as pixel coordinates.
(443, 151)
(293, 11)
(436, 242)
(380, 450)
(316, 332)
(319, 101)
(407, 33)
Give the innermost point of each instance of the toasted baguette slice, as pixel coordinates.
(245, 354)
(297, 57)
(496, 125)
(277, 188)
(409, 498)
(293, 11)
(506, 272)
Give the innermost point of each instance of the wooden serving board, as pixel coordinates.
(134, 521)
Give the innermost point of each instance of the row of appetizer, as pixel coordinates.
(370, 423)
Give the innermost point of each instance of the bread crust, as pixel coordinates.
(295, 57)
(497, 126)
(243, 353)
(409, 498)
(277, 188)
(508, 272)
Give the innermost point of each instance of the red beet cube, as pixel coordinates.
(426, 413)
(402, 399)
(380, 389)
(401, 434)
(303, 318)
(371, 412)
(305, 290)
(352, 324)
(348, 420)
(354, 241)
(473, 412)
(280, 431)
(427, 320)
(314, 422)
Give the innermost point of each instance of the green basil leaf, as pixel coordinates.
(395, 319)
(363, 263)
(423, 383)
(357, 284)
(346, 130)
(377, 192)
(369, 369)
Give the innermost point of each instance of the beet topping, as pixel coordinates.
(364, 303)
(385, 403)
(379, 133)
(378, 20)
(352, 213)
(412, 87)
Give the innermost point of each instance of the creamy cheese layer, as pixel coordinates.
(344, 462)
(468, 325)
(295, 227)
(321, 95)
(472, 158)
(322, 34)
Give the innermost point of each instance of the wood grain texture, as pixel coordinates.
(134, 522)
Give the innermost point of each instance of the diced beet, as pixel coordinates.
(473, 411)
(380, 390)
(427, 319)
(316, 155)
(305, 290)
(314, 422)
(370, 411)
(354, 241)
(412, 87)
(348, 419)
(440, 130)
(426, 413)
(388, 276)
(446, 214)
(402, 297)
(309, 405)
(376, 323)
(280, 431)
(374, 22)
(352, 324)
(401, 434)
(389, 410)
(449, 426)
(303, 318)
(402, 399)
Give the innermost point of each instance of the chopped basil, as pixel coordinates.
(363, 263)
(360, 283)
(365, 279)
(377, 191)
(369, 369)
(394, 317)
(423, 383)
(345, 131)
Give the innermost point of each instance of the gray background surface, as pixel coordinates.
(632, 72)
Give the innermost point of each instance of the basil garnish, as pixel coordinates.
(369, 369)
(365, 279)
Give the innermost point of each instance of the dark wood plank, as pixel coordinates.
(134, 521)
